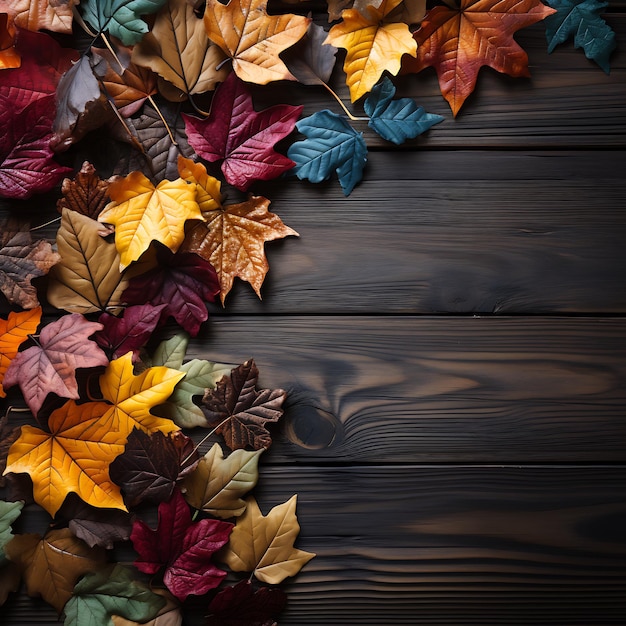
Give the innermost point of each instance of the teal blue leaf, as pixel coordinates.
(113, 591)
(581, 19)
(331, 145)
(9, 512)
(396, 120)
(121, 18)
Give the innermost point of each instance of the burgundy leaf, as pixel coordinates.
(243, 138)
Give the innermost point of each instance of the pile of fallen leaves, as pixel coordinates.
(138, 113)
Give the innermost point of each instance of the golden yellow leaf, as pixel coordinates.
(264, 546)
(73, 457)
(217, 484)
(208, 194)
(132, 396)
(13, 332)
(252, 38)
(372, 45)
(142, 213)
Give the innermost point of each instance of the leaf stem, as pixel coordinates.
(354, 118)
(52, 221)
(167, 126)
(197, 446)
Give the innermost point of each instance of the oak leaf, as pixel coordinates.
(87, 279)
(13, 332)
(217, 485)
(182, 547)
(264, 545)
(51, 15)
(177, 49)
(86, 193)
(373, 45)
(9, 56)
(51, 565)
(50, 366)
(252, 38)
(142, 213)
(21, 260)
(239, 411)
(242, 138)
(73, 457)
(457, 42)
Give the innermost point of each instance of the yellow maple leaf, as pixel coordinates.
(142, 213)
(252, 38)
(132, 396)
(263, 545)
(13, 332)
(73, 457)
(372, 45)
(208, 188)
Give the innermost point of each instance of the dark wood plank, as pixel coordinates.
(444, 545)
(450, 389)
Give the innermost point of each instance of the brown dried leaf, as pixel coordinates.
(86, 194)
(53, 15)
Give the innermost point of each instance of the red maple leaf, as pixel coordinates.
(242, 137)
(184, 548)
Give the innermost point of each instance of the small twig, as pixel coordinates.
(167, 126)
(52, 221)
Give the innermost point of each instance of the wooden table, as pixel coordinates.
(453, 341)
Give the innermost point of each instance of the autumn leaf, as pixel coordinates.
(169, 615)
(13, 332)
(264, 546)
(182, 548)
(73, 457)
(142, 213)
(458, 42)
(309, 60)
(331, 145)
(242, 138)
(22, 260)
(252, 38)
(177, 49)
(239, 411)
(151, 466)
(396, 120)
(218, 484)
(86, 193)
(9, 56)
(241, 605)
(583, 20)
(9, 512)
(373, 45)
(51, 565)
(87, 279)
(52, 15)
(50, 366)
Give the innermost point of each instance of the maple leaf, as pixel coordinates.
(9, 512)
(458, 42)
(218, 484)
(239, 412)
(121, 18)
(396, 120)
(182, 283)
(242, 138)
(52, 564)
(21, 260)
(373, 46)
(55, 16)
(87, 279)
(132, 396)
(9, 56)
(13, 332)
(241, 605)
(130, 331)
(263, 545)
(142, 213)
(583, 20)
(151, 465)
(182, 547)
(50, 367)
(86, 193)
(73, 457)
(178, 49)
(252, 38)
(111, 591)
(331, 145)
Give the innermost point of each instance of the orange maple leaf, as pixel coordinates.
(36, 15)
(458, 42)
(252, 38)
(13, 332)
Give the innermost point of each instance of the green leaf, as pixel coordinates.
(331, 144)
(9, 512)
(112, 591)
(581, 19)
(396, 120)
(120, 17)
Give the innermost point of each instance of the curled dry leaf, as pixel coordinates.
(86, 193)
